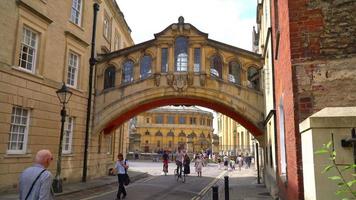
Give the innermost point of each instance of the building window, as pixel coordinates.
(109, 77)
(28, 51)
(170, 119)
(73, 65)
(159, 119)
(109, 145)
(216, 66)
(145, 66)
(117, 42)
(107, 27)
(197, 55)
(75, 16)
(170, 144)
(147, 120)
(234, 72)
(181, 120)
(181, 54)
(164, 60)
(282, 139)
(68, 135)
(18, 131)
(127, 74)
(193, 120)
(202, 121)
(147, 132)
(253, 77)
(158, 143)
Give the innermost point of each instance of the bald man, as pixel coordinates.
(36, 181)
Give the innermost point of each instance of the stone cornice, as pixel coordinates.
(22, 4)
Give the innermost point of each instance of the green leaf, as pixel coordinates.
(328, 144)
(327, 168)
(353, 174)
(350, 183)
(340, 183)
(345, 199)
(340, 192)
(334, 177)
(346, 168)
(321, 151)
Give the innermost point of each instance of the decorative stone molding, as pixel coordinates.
(180, 82)
(190, 78)
(157, 79)
(170, 78)
(202, 79)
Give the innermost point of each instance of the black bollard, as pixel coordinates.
(226, 178)
(215, 192)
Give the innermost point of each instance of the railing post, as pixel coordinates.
(226, 179)
(215, 192)
(258, 164)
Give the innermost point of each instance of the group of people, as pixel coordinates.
(229, 162)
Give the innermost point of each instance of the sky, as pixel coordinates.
(227, 21)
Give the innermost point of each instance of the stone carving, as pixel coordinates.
(180, 82)
(190, 78)
(202, 79)
(170, 79)
(157, 79)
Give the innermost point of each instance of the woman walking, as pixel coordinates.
(121, 167)
(198, 165)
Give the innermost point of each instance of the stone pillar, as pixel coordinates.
(170, 59)
(329, 124)
(157, 68)
(203, 66)
(190, 59)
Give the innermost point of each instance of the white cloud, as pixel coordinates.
(219, 18)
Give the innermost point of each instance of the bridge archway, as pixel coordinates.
(199, 83)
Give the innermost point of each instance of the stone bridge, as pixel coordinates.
(180, 66)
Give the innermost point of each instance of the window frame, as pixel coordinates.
(75, 81)
(144, 73)
(164, 57)
(131, 70)
(25, 134)
(107, 27)
(66, 130)
(181, 55)
(217, 69)
(79, 23)
(35, 49)
(197, 60)
(109, 81)
(231, 76)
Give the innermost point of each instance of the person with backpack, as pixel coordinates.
(121, 167)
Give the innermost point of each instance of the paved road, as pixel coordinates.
(157, 186)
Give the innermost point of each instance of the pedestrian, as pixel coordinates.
(226, 162)
(232, 164)
(186, 164)
(198, 165)
(240, 162)
(36, 181)
(121, 167)
(165, 159)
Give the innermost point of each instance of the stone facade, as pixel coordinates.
(234, 139)
(49, 40)
(314, 59)
(169, 128)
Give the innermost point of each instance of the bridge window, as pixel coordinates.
(234, 72)
(109, 77)
(216, 66)
(197, 55)
(127, 72)
(145, 67)
(253, 77)
(164, 60)
(181, 120)
(193, 120)
(181, 54)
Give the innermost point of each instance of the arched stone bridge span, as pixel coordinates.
(180, 66)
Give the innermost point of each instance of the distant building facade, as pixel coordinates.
(234, 139)
(45, 43)
(171, 128)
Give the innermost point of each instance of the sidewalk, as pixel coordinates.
(79, 186)
(242, 186)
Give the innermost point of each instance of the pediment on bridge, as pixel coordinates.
(167, 38)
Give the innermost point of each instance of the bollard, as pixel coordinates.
(215, 192)
(226, 178)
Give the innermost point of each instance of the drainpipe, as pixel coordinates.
(92, 62)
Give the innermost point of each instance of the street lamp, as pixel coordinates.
(63, 95)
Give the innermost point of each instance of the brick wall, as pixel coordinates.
(315, 68)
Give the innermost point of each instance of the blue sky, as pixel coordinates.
(227, 21)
